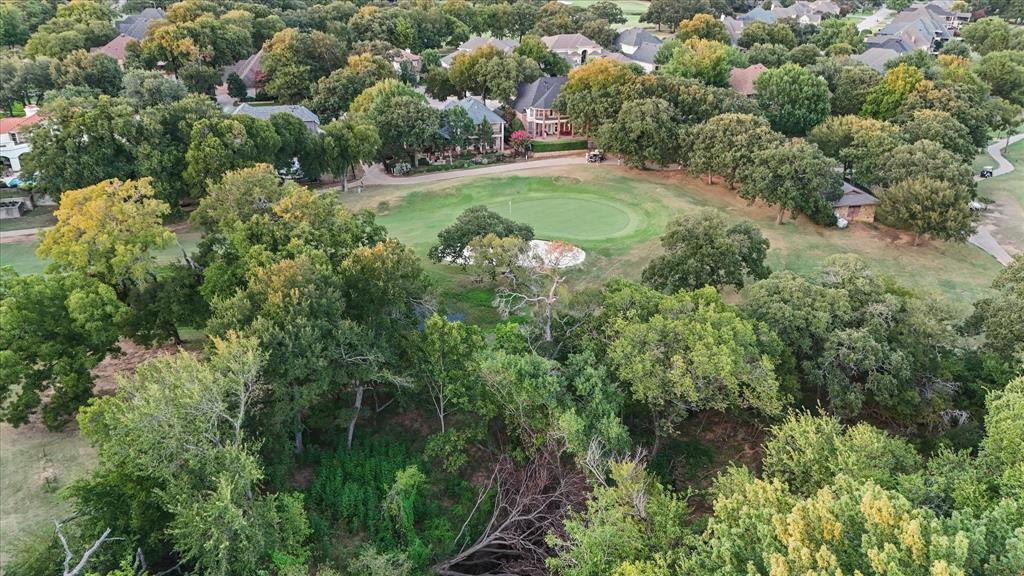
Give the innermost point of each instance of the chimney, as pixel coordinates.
(31, 110)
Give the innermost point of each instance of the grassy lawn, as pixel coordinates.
(617, 215)
(34, 464)
(631, 9)
(22, 255)
(40, 217)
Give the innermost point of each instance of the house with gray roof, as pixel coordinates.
(312, 121)
(922, 27)
(733, 27)
(876, 58)
(631, 39)
(479, 114)
(503, 44)
(758, 14)
(136, 25)
(535, 108)
(644, 56)
(574, 48)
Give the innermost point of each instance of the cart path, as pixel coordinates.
(983, 237)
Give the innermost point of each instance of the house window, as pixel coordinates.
(14, 137)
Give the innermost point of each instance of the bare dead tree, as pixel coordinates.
(69, 556)
(530, 502)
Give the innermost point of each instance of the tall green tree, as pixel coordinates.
(927, 206)
(793, 99)
(95, 141)
(642, 132)
(694, 353)
(405, 122)
(887, 97)
(108, 231)
(333, 94)
(347, 144)
(701, 249)
(796, 178)
(705, 60)
(54, 329)
(726, 143)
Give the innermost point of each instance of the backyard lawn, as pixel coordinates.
(616, 215)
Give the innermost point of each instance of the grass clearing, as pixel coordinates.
(572, 204)
(34, 464)
(22, 255)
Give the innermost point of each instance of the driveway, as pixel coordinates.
(983, 237)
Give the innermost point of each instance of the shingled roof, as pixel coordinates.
(476, 110)
(135, 26)
(541, 93)
(742, 79)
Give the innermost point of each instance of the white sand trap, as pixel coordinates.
(555, 254)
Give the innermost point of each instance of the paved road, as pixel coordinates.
(880, 16)
(376, 176)
(983, 237)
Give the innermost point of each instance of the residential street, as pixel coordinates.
(880, 16)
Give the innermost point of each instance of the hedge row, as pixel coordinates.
(559, 145)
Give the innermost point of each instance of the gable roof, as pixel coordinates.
(758, 14)
(541, 93)
(891, 42)
(854, 196)
(476, 42)
(742, 79)
(646, 53)
(114, 48)
(249, 69)
(635, 37)
(570, 42)
(265, 112)
(135, 26)
(733, 27)
(876, 57)
(476, 110)
(8, 125)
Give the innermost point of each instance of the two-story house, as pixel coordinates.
(534, 106)
(14, 137)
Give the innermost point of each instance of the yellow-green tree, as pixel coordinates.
(107, 231)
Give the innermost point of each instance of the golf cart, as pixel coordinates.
(595, 156)
(986, 172)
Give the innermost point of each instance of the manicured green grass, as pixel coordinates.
(617, 216)
(22, 255)
(559, 145)
(34, 464)
(631, 9)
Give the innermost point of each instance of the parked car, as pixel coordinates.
(595, 156)
(986, 172)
